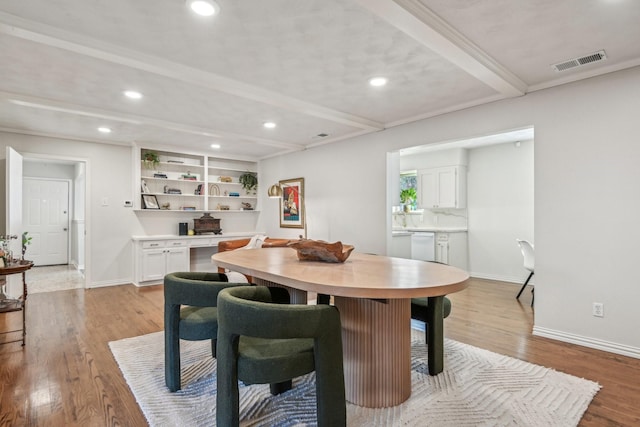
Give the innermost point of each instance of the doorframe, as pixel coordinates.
(86, 206)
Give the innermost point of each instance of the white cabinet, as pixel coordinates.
(443, 187)
(159, 257)
(451, 249)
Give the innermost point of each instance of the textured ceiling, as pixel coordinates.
(303, 64)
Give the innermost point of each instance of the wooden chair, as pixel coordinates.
(229, 245)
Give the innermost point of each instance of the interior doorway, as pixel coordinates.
(54, 212)
(499, 206)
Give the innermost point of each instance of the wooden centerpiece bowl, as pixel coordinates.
(318, 250)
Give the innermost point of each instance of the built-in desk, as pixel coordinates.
(155, 256)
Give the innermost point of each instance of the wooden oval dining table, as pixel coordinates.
(373, 294)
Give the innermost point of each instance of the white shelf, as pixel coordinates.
(173, 194)
(193, 181)
(234, 197)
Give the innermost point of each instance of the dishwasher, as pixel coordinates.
(423, 246)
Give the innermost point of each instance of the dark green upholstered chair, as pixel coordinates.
(261, 342)
(419, 307)
(190, 313)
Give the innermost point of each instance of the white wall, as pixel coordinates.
(109, 175)
(500, 207)
(586, 162)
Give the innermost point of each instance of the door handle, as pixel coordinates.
(65, 229)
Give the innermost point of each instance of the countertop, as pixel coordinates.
(409, 230)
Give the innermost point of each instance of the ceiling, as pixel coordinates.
(302, 64)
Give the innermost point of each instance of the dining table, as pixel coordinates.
(373, 295)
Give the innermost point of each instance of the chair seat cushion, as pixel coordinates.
(419, 308)
(274, 360)
(198, 323)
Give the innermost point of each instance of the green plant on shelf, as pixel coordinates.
(150, 159)
(249, 181)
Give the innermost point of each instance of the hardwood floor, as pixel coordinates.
(66, 375)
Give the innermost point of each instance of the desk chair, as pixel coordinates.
(261, 342)
(529, 261)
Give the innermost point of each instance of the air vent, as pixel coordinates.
(578, 62)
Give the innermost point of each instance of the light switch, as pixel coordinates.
(105, 201)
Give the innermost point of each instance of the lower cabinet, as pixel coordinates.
(158, 258)
(451, 249)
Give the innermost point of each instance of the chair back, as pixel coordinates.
(257, 311)
(528, 253)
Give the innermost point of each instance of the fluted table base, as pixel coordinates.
(376, 340)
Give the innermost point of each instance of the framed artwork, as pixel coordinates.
(292, 212)
(149, 201)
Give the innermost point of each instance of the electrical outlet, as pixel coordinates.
(598, 309)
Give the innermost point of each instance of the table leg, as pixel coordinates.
(296, 296)
(376, 341)
(435, 335)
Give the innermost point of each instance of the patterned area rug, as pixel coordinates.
(477, 388)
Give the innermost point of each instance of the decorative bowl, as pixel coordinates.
(318, 250)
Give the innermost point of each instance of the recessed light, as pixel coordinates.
(104, 129)
(203, 7)
(215, 146)
(378, 81)
(269, 125)
(132, 94)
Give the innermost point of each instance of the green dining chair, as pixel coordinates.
(190, 313)
(263, 342)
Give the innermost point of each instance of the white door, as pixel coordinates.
(46, 218)
(13, 193)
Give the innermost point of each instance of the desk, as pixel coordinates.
(9, 305)
(373, 295)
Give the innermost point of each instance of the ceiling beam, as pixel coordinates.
(417, 21)
(44, 34)
(83, 110)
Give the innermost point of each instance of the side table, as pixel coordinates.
(8, 305)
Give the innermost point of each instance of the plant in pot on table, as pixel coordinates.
(408, 197)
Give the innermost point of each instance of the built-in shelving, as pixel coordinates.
(182, 182)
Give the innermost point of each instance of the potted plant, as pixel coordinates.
(249, 181)
(150, 159)
(26, 240)
(407, 197)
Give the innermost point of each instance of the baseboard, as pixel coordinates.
(510, 279)
(106, 283)
(611, 347)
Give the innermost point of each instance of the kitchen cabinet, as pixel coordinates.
(159, 257)
(443, 187)
(451, 249)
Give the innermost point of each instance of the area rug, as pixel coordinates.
(477, 388)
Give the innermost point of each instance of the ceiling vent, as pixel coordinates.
(578, 62)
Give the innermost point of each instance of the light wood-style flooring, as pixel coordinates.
(66, 375)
